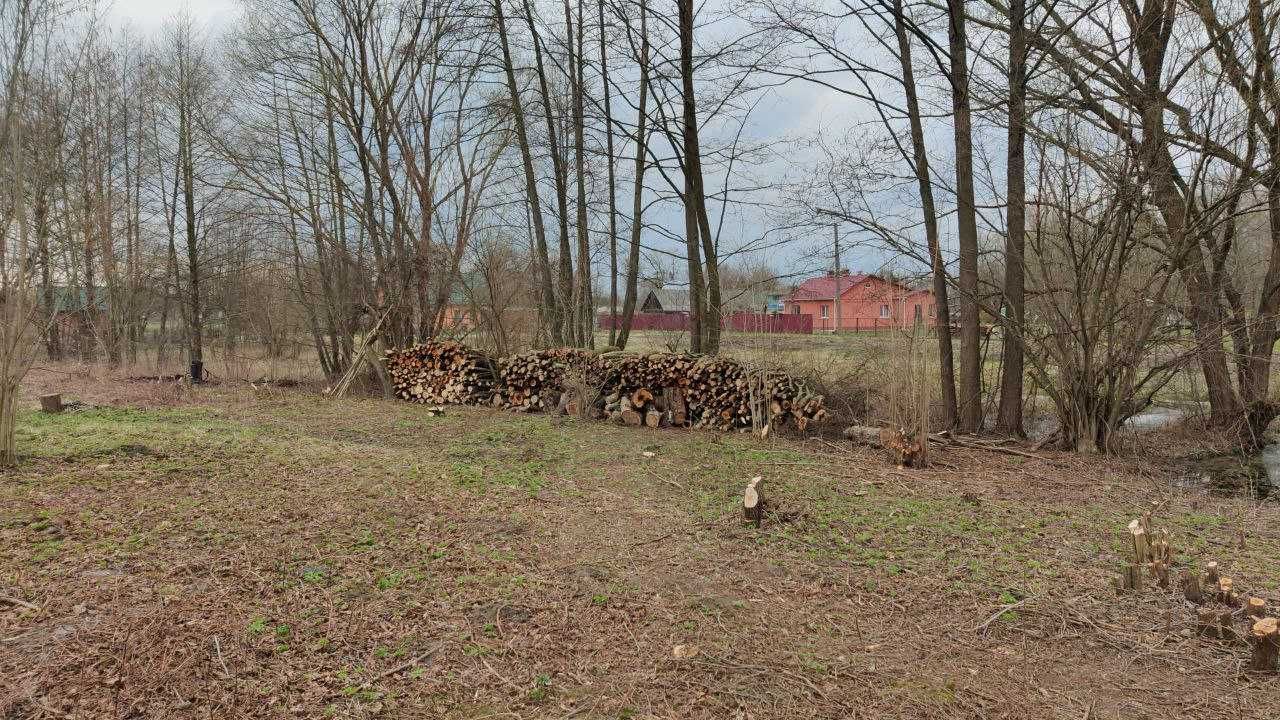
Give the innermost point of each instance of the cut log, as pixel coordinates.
(632, 418)
(1264, 636)
(653, 418)
(641, 397)
(51, 403)
(753, 500)
(863, 434)
(705, 392)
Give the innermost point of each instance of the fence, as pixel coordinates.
(865, 324)
(738, 321)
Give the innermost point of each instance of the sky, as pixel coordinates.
(149, 15)
(795, 111)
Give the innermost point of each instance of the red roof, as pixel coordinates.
(824, 288)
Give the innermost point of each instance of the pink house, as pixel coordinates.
(867, 302)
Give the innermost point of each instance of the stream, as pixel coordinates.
(1256, 475)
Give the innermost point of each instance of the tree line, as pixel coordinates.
(1093, 182)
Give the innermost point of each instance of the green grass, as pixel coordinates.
(329, 543)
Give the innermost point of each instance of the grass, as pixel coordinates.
(358, 559)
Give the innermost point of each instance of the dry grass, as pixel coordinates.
(222, 554)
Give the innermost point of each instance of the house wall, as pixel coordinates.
(457, 317)
(870, 304)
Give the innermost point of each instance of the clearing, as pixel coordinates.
(218, 553)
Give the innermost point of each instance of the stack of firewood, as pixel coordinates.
(438, 372)
(705, 392)
(534, 381)
(657, 389)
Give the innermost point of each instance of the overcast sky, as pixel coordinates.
(149, 14)
(793, 111)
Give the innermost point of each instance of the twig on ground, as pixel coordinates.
(217, 648)
(409, 663)
(1003, 609)
(19, 603)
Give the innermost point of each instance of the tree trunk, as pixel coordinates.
(547, 310)
(52, 337)
(613, 203)
(946, 361)
(699, 318)
(1009, 419)
(585, 314)
(565, 312)
(8, 422)
(637, 197)
(195, 347)
(970, 399)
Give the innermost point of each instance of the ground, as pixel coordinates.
(223, 552)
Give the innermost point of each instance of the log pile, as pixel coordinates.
(535, 381)
(441, 372)
(716, 393)
(657, 389)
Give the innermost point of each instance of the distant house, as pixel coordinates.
(867, 302)
(70, 305)
(658, 299)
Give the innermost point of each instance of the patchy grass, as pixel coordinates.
(292, 557)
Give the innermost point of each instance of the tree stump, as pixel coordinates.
(1215, 623)
(1265, 638)
(1130, 579)
(51, 403)
(1211, 573)
(632, 418)
(1141, 548)
(653, 418)
(753, 500)
(1191, 588)
(1256, 607)
(1226, 595)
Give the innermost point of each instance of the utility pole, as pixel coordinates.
(835, 232)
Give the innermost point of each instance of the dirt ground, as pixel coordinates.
(224, 552)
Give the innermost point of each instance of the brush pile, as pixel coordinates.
(438, 372)
(656, 389)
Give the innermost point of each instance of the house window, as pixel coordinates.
(933, 310)
(824, 312)
(795, 309)
(884, 311)
(457, 317)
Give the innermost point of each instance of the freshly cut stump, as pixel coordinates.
(753, 500)
(1265, 638)
(1255, 607)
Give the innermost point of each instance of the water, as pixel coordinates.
(1270, 459)
(1256, 475)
